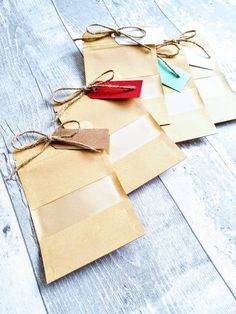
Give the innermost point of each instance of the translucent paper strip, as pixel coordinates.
(213, 86)
(131, 137)
(185, 101)
(77, 206)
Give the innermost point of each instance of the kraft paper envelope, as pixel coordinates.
(189, 117)
(128, 62)
(79, 209)
(139, 149)
(215, 91)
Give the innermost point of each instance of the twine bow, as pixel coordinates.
(105, 31)
(186, 38)
(47, 140)
(78, 92)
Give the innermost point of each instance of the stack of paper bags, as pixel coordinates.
(78, 199)
(137, 141)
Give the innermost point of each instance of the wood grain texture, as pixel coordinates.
(167, 271)
(17, 287)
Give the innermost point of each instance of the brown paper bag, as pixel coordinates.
(139, 149)
(79, 209)
(128, 62)
(215, 91)
(189, 117)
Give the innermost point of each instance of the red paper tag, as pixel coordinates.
(116, 92)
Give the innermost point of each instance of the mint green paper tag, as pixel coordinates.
(170, 80)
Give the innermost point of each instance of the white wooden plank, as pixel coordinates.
(18, 286)
(206, 195)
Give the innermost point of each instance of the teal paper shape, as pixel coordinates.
(169, 79)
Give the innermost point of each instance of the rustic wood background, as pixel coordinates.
(186, 263)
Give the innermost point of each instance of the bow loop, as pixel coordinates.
(42, 139)
(187, 35)
(70, 121)
(137, 32)
(168, 54)
(105, 77)
(99, 30)
(74, 94)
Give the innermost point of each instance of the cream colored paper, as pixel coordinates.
(189, 116)
(128, 62)
(215, 91)
(139, 149)
(79, 209)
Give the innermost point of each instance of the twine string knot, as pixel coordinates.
(78, 92)
(99, 31)
(168, 55)
(46, 140)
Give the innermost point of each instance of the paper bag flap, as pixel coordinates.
(189, 116)
(153, 99)
(89, 240)
(189, 125)
(56, 173)
(84, 225)
(103, 113)
(142, 145)
(77, 206)
(126, 61)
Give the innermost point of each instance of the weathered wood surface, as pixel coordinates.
(186, 261)
(17, 282)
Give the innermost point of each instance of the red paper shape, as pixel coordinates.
(117, 93)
